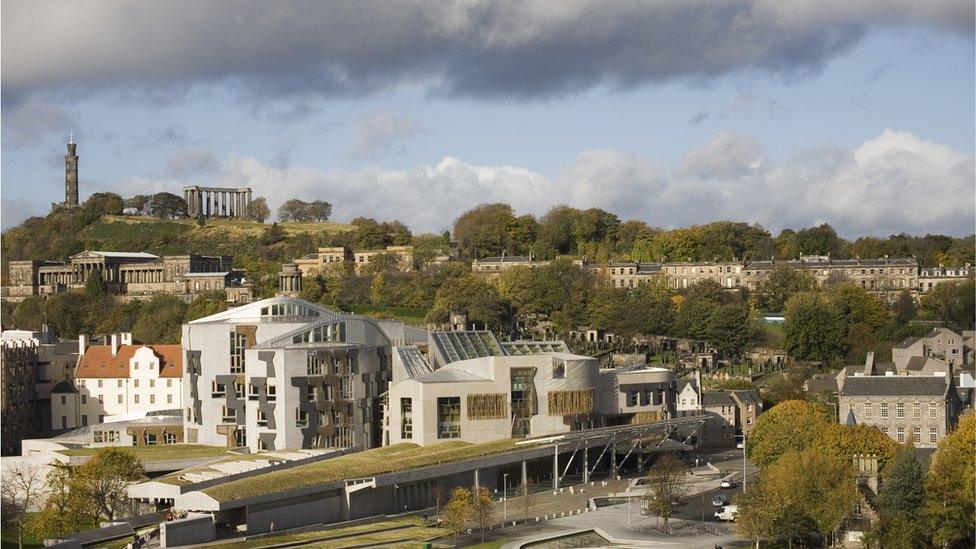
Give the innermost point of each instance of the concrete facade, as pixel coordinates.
(284, 373)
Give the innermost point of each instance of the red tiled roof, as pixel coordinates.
(98, 362)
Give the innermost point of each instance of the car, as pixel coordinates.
(728, 513)
(720, 501)
(727, 483)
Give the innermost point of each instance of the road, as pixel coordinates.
(699, 506)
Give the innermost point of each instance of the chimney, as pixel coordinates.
(82, 344)
(699, 387)
(126, 338)
(869, 364)
(115, 344)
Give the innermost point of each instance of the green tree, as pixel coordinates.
(903, 309)
(814, 330)
(773, 291)
(167, 206)
(258, 209)
(665, 480)
(104, 204)
(138, 201)
(485, 231)
(273, 234)
(729, 330)
(19, 492)
(471, 294)
(94, 284)
(161, 320)
(902, 489)
(949, 505)
(758, 515)
(849, 440)
(458, 512)
(29, 313)
(790, 426)
(952, 303)
(105, 477)
(66, 508)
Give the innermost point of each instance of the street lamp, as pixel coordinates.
(505, 496)
(743, 462)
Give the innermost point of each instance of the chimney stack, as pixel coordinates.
(82, 344)
(125, 338)
(115, 344)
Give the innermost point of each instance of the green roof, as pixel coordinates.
(388, 459)
(159, 452)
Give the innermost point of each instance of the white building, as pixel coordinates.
(284, 373)
(495, 397)
(119, 379)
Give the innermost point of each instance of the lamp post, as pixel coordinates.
(505, 496)
(743, 462)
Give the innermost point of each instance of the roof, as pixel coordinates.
(822, 383)
(63, 387)
(195, 275)
(894, 386)
(98, 361)
(918, 363)
(527, 347)
(506, 259)
(716, 398)
(682, 383)
(413, 361)
(816, 264)
(448, 375)
(748, 396)
(133, 255)
(293, 307)
(907, 343)
(454, 346)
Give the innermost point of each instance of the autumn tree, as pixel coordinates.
(458, 511)
(776, 288)
(849, 440)
(949, 504)
(790, 426)
(104, 203)
(67, 509)
(485, 231)
(665, 481)
(814, 329)
(471, 294)
(19, 493)
(167, 206)
(138, 201)
(481, 503)
(258, 209)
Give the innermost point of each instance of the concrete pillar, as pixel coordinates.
(525, 473)
(555, 467)
(613, 458)
(586, 465)
(476, 482)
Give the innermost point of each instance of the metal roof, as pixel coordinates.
(454, 346)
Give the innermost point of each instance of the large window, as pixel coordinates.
(449, 417)
(406, 418)
(314, 365)
(884, 410)
(917, 410)
(933, 410)
(345, 387)
(900, 410)
(238, 342)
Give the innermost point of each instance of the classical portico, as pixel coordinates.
(217, 201)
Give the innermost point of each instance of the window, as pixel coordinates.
(917, 434)
(238, 341)
(310, 393)
(240, 436)
(933, 410)
(314, 365)
(252, 392)
(169, 438)
(884, 410)
(218, 389)
(406, 418)
(558, 370)
(169, 382)
(64, 399)
(120, 384)
(868, 410)
(150, 439)
(301, 418)
(135, 383)
(238, 389)
(262, 418)
(135, 365)
(135, 399)
(900, 410)
(120, 399)
(449, 417)
(169, 399)
(917, 410)
(152, 399)
(152, 383)
(97, 437)
(901, 434)
(345, 387)
(272, 393)
(632, 397)
(84, 420)
(328, 393)
(227, 415)
(84, 399)
(99, 383)
(933, 435)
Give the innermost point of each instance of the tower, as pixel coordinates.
(71, 174)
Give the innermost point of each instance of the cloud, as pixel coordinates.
(895, 182)
(28, 123)
(378, 132)
(534, 49)
(698, 118)
(191, 162)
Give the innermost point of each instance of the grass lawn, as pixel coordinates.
(8, 540)
(160, 452)
(235, 226)
(397, 457)
(410, 532)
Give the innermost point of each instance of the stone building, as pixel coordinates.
(206, 202)
(119, 379)
(931, 277)
(888, 276)
(132, 275)
(940, 343)
(324, 258)
(729, 274)
(623, 274)
(492, 266)
(284, 373)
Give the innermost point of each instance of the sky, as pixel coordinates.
(781, 113)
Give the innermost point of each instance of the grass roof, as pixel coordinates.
(159, 452)
(388, 459)
(174, 478)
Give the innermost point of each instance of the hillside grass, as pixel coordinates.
(231, 226)
(174, 478)
(159, 452)
(397, 457)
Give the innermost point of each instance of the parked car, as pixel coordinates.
(720, 500)
(727, 483)
(728, 513)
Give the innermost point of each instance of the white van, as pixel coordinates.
(728, 513)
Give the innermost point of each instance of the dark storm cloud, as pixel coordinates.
(531, 50)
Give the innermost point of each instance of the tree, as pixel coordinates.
(66, 508)
(300, 211)
(813, 330)
(481, 508)
(106, 476)
(273, 234)
(729, 330)
(949, 506)
(903, 308)
(258, 209)
(665, 480)
(160, 320)
(319, 210)
(525, 490)
(19, 492)
(167, 206)
(850, 440)
(790, 426)
(94, 284)
(471, 294)
(952, 302)
(457, 512)
(138, 201)
(758, 515)
(104, 204)
(902, 489)
(773, 291)
(439, 496)
(485, 231)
